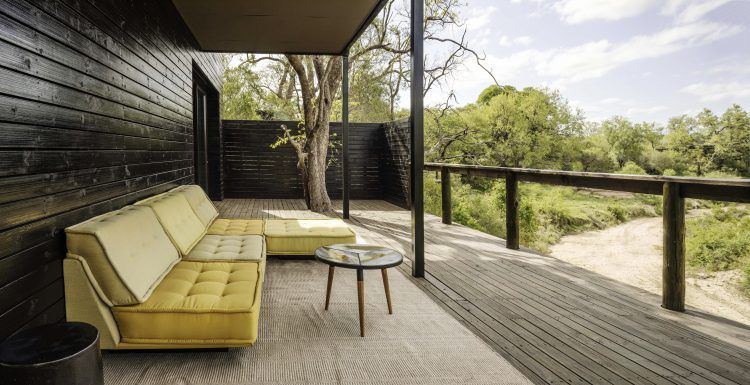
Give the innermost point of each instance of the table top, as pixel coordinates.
(354, 256)
(48, 343)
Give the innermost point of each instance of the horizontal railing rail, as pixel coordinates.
(673, 189)
(729, 190)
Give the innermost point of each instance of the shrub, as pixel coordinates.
(619, 212)
(632, 168)
(719, 241)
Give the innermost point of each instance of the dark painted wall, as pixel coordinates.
(95, 113)
(252, 169)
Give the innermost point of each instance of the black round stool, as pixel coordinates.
(61, 353)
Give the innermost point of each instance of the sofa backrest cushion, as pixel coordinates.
(127, 252)
(199, 201)
(178, 219)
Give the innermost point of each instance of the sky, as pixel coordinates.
(647, 60)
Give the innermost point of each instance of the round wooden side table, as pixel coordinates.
(55, 354)
(360, 258)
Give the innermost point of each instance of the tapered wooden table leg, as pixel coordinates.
(387, 290)
(361, 258)
(361, 300)
(330, 283)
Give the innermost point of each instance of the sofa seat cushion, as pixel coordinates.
(303, 236)
(228, 248)
(198, 302)
(222, 226)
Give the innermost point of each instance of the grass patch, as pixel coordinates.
(720, 241)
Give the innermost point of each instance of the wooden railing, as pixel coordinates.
(673, 189)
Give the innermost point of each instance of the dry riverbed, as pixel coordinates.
(631, 253)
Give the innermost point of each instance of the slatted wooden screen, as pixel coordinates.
(252, 169)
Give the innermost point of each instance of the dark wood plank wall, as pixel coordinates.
(395, 166)
(95, 113)
(214, 146)
(252, 169)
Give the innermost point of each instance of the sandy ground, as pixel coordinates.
(631, 253)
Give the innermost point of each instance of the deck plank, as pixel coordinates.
(556, 322)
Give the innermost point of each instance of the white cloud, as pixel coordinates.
(578, 11)
(693, 10)
(610, 101)
(718, 91)
(645, 110)
(479, 18)
(597, 58)
(731, 68)
(524, 40)
(506, 41)
(672, 6)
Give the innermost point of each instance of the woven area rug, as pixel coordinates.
(301, 343)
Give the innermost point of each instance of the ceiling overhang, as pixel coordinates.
(278, 26)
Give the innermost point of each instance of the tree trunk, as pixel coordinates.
(319, 78)
(315, 173)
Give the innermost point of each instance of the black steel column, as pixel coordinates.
(345, 134)
(416, 190)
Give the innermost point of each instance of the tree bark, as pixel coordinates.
(319, 79)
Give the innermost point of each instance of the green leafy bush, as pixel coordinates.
(720, 241)
(631, 167)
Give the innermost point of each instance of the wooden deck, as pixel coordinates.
(555, 322)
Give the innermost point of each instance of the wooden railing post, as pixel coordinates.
(673, 268)
(445, 192)
(512, 232)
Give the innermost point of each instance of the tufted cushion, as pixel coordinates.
(126, 251)
(228, 248)
(179, 220)
(223, 226)
(303, 236)
(196, 303)
(198, 200)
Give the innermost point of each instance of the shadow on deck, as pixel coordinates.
(556, 322)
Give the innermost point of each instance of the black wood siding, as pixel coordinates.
(95, 113)
(252, 169)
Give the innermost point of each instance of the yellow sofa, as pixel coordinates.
(167, 272)
(147, 276)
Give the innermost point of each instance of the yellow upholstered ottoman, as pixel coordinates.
(198, 304)
(303, 236)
